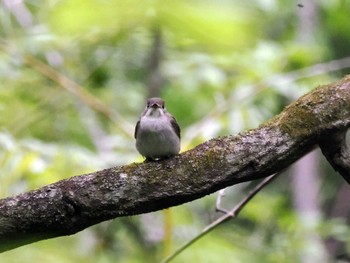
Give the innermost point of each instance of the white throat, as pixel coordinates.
(154, 112)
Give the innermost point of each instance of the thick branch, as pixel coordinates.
(68, 206)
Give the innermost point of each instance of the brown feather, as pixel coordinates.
(176, 127)
(136, 128)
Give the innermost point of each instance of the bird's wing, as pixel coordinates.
(136, 128)
(175, 126)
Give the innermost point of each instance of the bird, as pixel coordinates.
(157, 133)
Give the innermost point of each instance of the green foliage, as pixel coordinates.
(187, 23)
(226, 67)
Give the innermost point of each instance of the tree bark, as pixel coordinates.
(71, 205)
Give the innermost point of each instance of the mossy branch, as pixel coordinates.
(71, 205)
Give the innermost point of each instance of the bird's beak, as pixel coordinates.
(155, 105)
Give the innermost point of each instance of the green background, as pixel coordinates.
(74, 78)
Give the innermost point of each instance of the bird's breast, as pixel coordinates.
(149, 124)
(156, 137)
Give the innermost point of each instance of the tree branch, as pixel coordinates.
(71, 205)
(229, 214)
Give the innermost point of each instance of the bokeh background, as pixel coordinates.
(74, 77)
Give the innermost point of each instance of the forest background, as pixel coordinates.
(74, 77)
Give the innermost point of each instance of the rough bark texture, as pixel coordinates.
(68, 206)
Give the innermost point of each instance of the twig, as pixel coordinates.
(79, 91)
(218, 207)
(231, 214)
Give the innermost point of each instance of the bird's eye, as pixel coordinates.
(148, 105)
(163, 106)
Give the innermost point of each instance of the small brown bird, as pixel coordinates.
(157, 133)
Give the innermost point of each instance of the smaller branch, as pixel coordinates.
(218, 207)
(78, 91)
(230, 214)
(335, 149)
